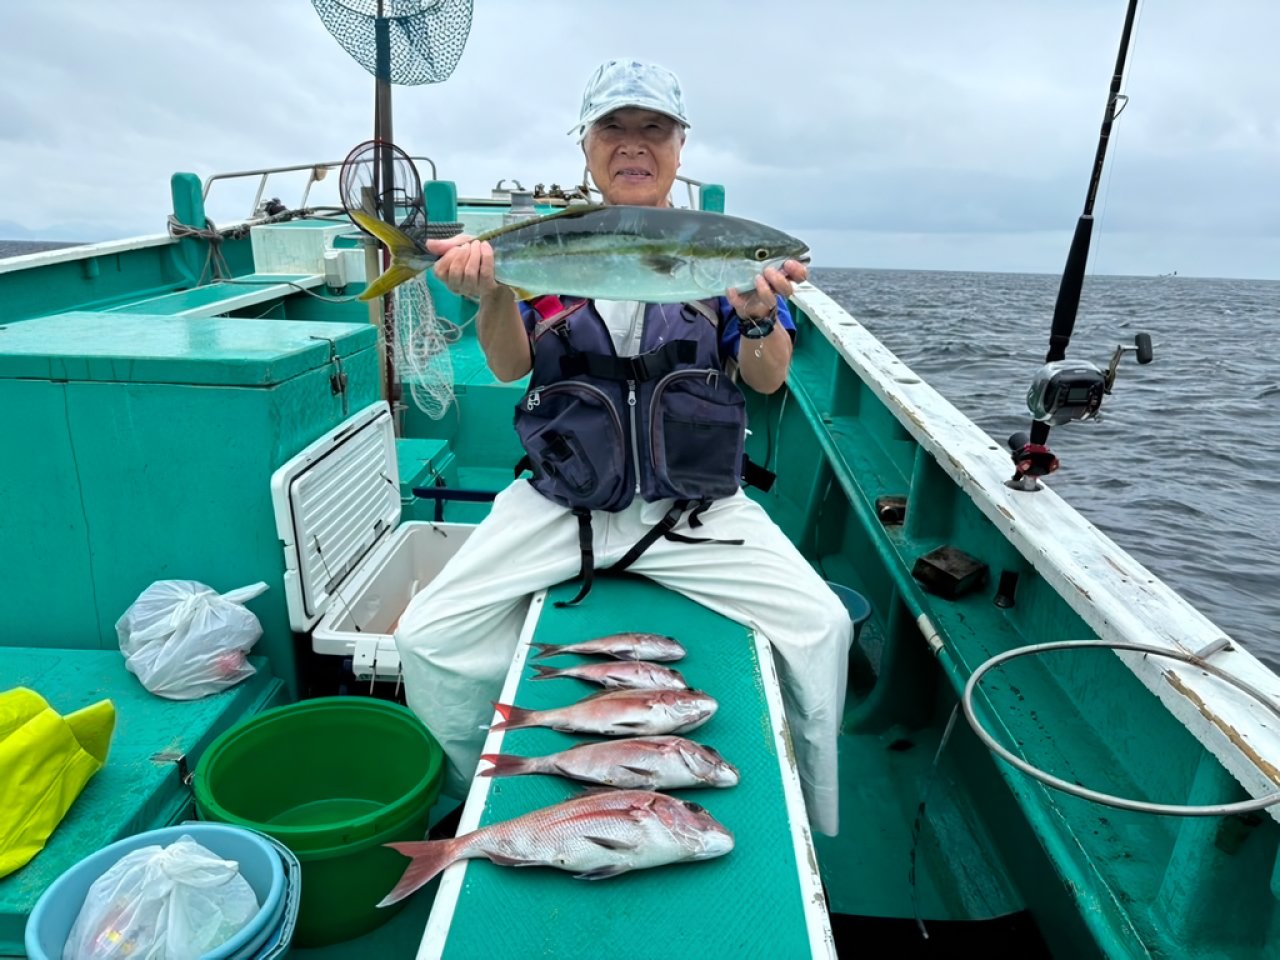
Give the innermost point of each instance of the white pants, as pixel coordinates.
(458, 636)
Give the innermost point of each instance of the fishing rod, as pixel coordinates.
(1064, 390)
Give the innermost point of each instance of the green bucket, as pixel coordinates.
(333, 779)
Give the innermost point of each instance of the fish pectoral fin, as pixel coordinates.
(639, 771)
(609, 843)
(504, 861)
(663, 263)
(601, 873)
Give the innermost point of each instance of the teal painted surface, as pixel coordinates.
(188, 209)
(959, 872)
(441, 197)
(132, 482)
(141, 348)
(133, 791)
(68, 285)
(711, 197)
(745, 904)
(419, 463)
(212, 294)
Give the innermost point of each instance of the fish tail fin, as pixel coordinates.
(401, 247)
(512, 717)
(506, 765)
(545, 649)
(390, 278)
(546, 673)
(427, 858)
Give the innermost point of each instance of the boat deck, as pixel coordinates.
(154, 744)
(762, 899)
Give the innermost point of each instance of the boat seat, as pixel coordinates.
(218, 299)
(156, 741)
(763, 898)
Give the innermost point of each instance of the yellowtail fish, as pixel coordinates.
(599, 835)
(611, 252)
(623, 675)
(620, 646)
(635, 763)
(617, 713)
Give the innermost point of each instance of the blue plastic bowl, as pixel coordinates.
(270, 869)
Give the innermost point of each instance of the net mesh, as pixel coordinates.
(426, 37)
(422, 358)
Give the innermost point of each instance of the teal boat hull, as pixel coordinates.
(128, 464)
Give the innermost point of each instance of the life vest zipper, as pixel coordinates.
(635, 444)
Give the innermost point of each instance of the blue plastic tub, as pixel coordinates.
(857, 605)
(270, 869)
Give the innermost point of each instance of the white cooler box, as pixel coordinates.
(351, 566)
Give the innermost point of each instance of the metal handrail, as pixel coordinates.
(318, 173)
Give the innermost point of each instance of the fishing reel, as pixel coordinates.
(1063, 391)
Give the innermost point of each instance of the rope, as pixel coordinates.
(1141, 806)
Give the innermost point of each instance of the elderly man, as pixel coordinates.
(457, 638)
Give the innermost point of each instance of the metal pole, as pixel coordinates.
(384, 176)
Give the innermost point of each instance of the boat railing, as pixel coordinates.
(695, 202)
(695, 199)
(318, 172)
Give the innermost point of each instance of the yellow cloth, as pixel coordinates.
(45, 761)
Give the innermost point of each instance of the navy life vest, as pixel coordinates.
(598, 429)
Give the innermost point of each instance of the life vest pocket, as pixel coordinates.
(572, 433)
(697, 422)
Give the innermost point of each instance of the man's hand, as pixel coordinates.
(764, 362)
(465, 266)
(761, 301)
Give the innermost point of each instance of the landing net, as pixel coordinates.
(422, 354)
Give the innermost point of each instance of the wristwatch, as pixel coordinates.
(756, 328)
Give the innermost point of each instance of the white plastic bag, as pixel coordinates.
(162, 903)
(184, 641)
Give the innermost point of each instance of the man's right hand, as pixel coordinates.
(465, 266)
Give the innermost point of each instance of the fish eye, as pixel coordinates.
(693, 807)
(762, 254)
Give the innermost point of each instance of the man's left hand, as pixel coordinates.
(772, 283)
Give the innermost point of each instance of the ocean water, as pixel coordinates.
(19, 248)
(1182, 469)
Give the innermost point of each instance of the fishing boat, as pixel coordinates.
(1046, 750)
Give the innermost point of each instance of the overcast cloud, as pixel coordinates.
(913, 134)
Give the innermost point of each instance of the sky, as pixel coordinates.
(917, 134)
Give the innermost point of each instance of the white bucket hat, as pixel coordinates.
(630, 83)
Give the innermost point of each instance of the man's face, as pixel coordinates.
(633, 156)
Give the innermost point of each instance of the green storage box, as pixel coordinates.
(140, 448)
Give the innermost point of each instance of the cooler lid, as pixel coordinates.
(334, 502)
